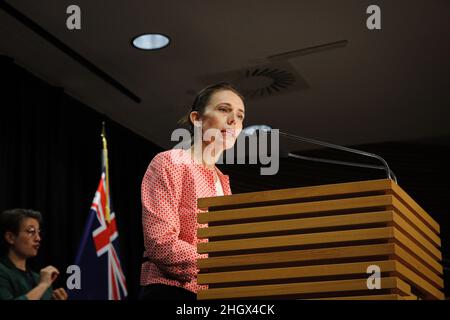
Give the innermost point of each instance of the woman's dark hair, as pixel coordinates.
(203, 97)
(10, 220)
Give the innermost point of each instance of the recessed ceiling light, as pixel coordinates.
(152, 41)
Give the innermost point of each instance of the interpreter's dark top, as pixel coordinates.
(16, 283)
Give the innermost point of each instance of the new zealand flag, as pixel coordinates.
(102, 277)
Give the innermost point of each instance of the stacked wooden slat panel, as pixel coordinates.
(317, 243)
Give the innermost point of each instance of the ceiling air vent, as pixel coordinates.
(262, 80)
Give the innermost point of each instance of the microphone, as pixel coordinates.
(390, 174)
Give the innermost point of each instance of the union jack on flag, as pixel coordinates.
(102, 277)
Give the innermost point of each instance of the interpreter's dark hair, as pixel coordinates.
(202, 100)
(10, 220)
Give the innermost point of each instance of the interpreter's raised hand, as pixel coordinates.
(59, 294)
(48, 275)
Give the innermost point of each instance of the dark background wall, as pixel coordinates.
(50, 160)
(50, 156)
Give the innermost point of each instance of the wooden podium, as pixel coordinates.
(318, 243)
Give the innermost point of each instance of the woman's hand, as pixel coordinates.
(59, 294)
(48, 275)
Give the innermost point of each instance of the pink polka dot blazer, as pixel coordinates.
(170, 188)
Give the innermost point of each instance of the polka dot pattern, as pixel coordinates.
(170, 188)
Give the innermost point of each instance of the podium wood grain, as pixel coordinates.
(317, 242)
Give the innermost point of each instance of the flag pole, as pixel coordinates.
(105, 163)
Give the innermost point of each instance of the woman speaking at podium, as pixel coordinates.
(173, 182)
